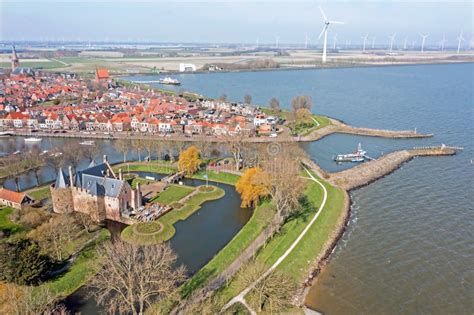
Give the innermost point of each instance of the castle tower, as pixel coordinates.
(15, 59)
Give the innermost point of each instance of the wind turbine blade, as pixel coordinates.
(322, 32)
(336, 22)
(322, 13)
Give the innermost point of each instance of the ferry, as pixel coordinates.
(33, 140)
(87, 142)
(356, 156)
(169, 81)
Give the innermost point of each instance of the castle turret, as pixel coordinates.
(120, 174)
(71, 178)
(138, 196)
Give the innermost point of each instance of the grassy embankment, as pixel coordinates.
(298, 263)
(7, 226)
(172, 194)
(39, 193)
(302, 126)
(166, 230)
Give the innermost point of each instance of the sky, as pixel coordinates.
(228, 21)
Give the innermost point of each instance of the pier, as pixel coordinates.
(370, 171)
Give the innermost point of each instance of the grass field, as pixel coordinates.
(39, 193)
(173, 193)
(31, 63)
(80, 271)
(169, 219)
(298, 263)
(222, 177)
(153, 166)
(6, 225)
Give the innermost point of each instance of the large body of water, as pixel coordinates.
(409, 247)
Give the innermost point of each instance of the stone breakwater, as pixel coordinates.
(368, 172)
(337, 126)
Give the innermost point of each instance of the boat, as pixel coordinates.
(169, 81)
(33, 140)
(87, 142)
(356, 156)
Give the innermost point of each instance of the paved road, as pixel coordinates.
(241, 296)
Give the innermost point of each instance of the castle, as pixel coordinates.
(95, 191)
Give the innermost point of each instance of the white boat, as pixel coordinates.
(356, 156)
(169, 81)
(87, 142)
(33, 140)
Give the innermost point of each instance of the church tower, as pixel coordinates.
(15, 60)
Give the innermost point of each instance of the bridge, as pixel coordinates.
(173, 178)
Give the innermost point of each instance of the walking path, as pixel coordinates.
(241, 297)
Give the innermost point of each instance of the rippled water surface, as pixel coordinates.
(409, 247)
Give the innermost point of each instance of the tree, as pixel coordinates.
(134, 277)
(54, 235)
(275, 105)
(21, 262)
(271, 293)
(91, 151)
(247, 99)
(14, 170)
(34, 163)
(252, 187)
(123, 146)
(27, 300)
(149, 146)
(73, 155)
(84, 220)
(301, 101)
(189, 160)
(282, 177)
(236, 144)
(138, 145)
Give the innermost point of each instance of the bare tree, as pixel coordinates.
(235, 144)
(138, 145)
(123, 146)
(283, 179)
(84, 220)
(34, 163)
(149, 146)
(301, 101)
(73, 155)
(27, 300)
(91, 151)
(271, 293)
(247, 99)
(133, 276)
(275, 105)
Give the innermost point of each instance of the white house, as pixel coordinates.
(187, 67)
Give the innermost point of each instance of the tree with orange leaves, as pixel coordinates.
(252, 187)
(189, 160)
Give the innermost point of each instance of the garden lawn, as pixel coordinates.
(40, 193)
(153, 166)
(170, 218)
(173, 193)
(80, 271)
(221, 177)
(6, 225)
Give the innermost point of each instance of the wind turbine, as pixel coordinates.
(423, 41)
(460, 39)
(334, 42)
(325, 32)
(392, 38)
(365, 39)
(443, 41)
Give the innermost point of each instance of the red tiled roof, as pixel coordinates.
(102, 73)
(11, 195)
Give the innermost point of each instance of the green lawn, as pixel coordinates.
(80, 271)
(6, 225)
(173, 193)
(259, 220)
(297, 264)
(35, 64)
(153, 166)
(221, 177)
(40, 193)
(169, 219)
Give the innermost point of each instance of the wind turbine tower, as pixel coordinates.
(423, 41)
(392, 38)
(365, 39)
(460, 39)
(334, 42)
(325, 32)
